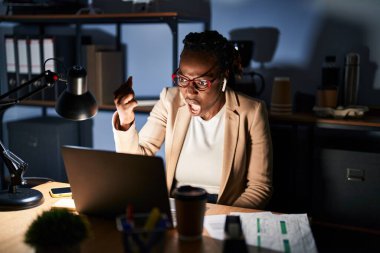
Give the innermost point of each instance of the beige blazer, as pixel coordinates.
(247, 156)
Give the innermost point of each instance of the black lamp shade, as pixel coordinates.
(76, 102)
(76, 107)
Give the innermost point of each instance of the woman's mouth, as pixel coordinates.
(194, 107)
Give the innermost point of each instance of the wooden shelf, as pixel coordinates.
(371, 119)
(145, 17)
(143, 108)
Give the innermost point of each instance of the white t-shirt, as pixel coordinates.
(201, 158)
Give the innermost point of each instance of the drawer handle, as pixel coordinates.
(355, 174)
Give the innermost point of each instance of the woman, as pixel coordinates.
(215, 138)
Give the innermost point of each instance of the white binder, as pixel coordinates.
(23, 67)
(10, 57)
(35, 65)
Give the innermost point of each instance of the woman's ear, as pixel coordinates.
(224, 84)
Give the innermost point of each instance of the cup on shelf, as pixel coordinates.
(281, 98)
(327, 97)
(190, 203)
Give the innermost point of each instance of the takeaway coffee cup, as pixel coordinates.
(281, 100)
(281, 91)
(327, 97)
(190, 204)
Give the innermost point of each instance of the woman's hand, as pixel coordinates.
(124, 99)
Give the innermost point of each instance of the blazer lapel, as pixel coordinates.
(181, 125)
(231, 133)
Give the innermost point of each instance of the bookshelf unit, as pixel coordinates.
(172, 19)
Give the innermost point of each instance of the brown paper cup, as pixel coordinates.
(190, 203)
(327, 98)
(281, 91)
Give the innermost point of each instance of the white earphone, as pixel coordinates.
(224, 84)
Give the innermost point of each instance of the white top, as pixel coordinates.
(201, 158)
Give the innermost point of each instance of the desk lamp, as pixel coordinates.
(75, 103)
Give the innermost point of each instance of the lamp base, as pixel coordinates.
(23, 198)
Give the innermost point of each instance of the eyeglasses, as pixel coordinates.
(199, 84)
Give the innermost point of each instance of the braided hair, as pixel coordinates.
(214, 44)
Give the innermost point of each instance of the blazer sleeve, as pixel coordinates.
(149, 140)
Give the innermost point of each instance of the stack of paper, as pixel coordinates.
(269, 232)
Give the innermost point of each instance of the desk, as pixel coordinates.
(105, 237)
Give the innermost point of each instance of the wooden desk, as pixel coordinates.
(105, 236)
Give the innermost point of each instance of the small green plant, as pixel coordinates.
(57, 228)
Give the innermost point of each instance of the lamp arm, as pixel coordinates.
(50, 79)
(16, 167)
(15, 164)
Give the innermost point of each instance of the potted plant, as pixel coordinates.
(57, 230)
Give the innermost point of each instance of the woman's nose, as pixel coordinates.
(191, 88)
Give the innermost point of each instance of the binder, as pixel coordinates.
(23, 67)
(61, 48)
(10, 57)
(48, 52)
(91, 67)
(109, 75)
(35, 66)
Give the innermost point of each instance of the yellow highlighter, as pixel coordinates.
(153, 217)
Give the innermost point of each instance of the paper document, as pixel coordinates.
(65, 203)
(288, 233)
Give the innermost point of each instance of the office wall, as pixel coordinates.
(309, 30)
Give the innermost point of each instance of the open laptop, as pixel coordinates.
(103, 183)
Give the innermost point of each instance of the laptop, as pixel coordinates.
(104, 183)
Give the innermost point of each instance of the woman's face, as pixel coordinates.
(200, 66)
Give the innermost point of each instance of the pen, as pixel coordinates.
(129, 214)
(153, 217)
(131, 235)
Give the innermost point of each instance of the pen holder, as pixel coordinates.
(138, 239)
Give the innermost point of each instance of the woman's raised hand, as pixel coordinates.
(125, 102)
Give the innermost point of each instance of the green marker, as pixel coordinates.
(258, 241)
(286, 246)
(283, 227)
(258, 225)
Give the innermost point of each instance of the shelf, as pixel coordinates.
(371, 120)
(145, 105)
(148, 17)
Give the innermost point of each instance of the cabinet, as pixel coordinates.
(172, 19)
(42, 137)
(328, 168)
(346, 176)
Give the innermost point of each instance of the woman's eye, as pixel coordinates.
(181, 79)
(203, 83)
